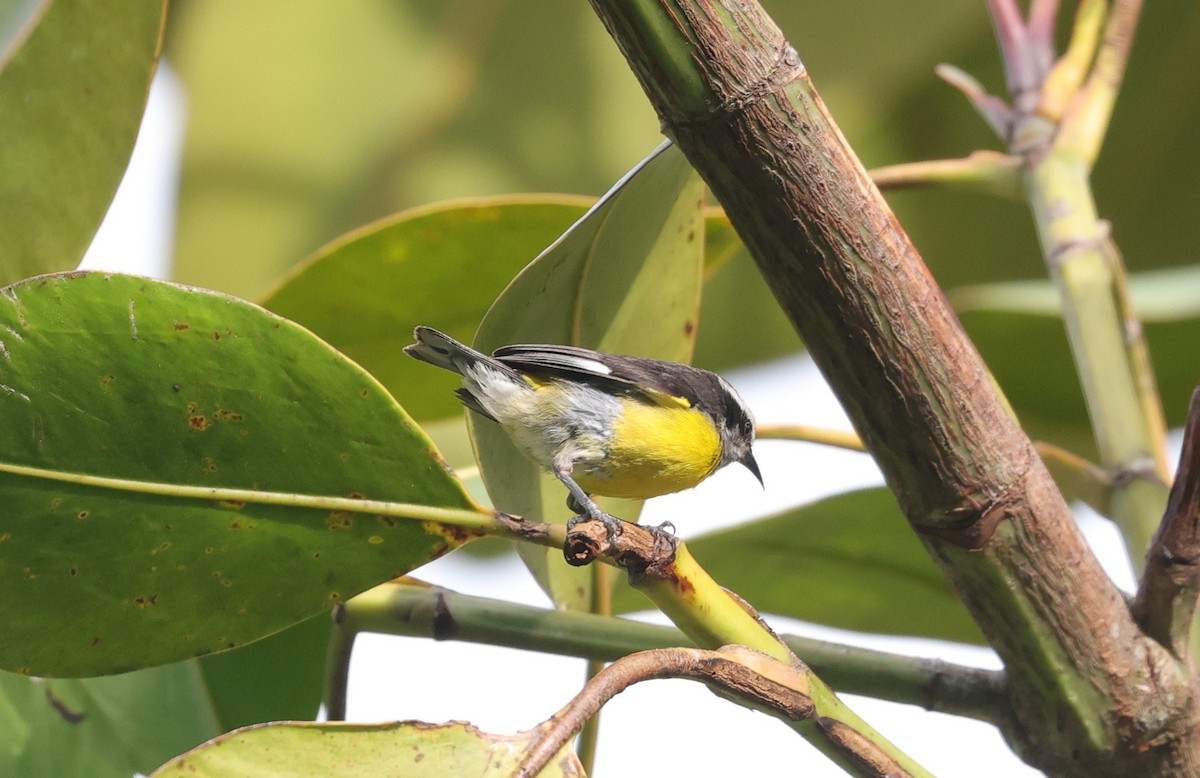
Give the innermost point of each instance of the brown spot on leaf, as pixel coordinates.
(106, 380)
(6, 536)
(82, 515)
(232, 504)
(386, 521)
(455, 534)
(216, 335)
(198, 423)
(225, 415)
(340, 520)
(73, 570)
(180, 326)
(436, 456)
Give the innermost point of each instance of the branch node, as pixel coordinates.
(636, 549)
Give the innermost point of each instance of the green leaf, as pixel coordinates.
(849, 561)
(102, 727)
(18, 20)
(409, 748)
(1004, 318)
(278, 678)
(734, 291)
(180, 391)
(625, 279)
(71, 102)
(442, 266)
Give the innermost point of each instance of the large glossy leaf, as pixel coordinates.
(442, 266)
(71, 102)
(18, 20)
(848, 561)
(1004, 319)
(117, 377)
(409, 748)
(278, 678)
(734, 291)
(101, 727)
(626, 279)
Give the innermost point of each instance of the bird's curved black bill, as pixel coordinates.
(751, 464)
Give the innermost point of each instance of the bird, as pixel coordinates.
(602, 424)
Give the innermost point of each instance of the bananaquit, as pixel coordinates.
(603, 424)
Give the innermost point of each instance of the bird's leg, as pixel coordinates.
(585, 508)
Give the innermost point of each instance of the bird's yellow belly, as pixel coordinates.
(654, 451)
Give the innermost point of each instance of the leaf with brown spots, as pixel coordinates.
(103, 578)
(409, 748)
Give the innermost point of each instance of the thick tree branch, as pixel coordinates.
(1085, 684)
(1166, 601)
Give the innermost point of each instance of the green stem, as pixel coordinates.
(337, 665)
(601, 605)
(803, 434)
(1106, 342)
(708, 613)
(479, 519)
(989, 172)
(418, 610)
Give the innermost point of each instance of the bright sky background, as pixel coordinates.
(666, 726)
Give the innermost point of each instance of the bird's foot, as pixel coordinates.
(612, 523)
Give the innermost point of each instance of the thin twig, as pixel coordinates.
(735, 673)
(1086, 123)
(337, 665)
(1166, 600)
(805, 434)
(1042, 17)
(1113, 56)
(986, 171)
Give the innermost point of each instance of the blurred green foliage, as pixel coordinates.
(309, 119)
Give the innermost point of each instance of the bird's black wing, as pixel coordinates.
(662, 382)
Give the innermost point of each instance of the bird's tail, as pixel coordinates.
(441, 350)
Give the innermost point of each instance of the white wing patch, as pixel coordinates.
(583, 364)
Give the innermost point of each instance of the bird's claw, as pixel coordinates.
(611, 523)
